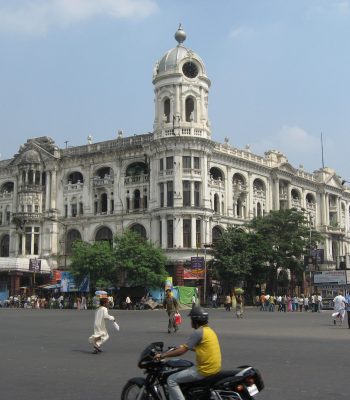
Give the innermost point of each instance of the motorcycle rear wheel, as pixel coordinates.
(131, 391)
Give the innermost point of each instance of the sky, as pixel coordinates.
(280, 72)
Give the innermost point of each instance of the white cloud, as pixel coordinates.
(241, 32)
(294, 142)
(38, 16)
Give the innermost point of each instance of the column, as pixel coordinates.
(276, 194)
(193, 233)
(48, 191)
(53, 189)
(178, 232)
(164, 232)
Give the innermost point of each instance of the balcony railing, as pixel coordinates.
(106, 181)
(28, 216)
(6, 195)
(74, 187)
(31, 188)
(137, 179)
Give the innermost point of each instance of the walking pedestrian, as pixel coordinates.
(347, 307)
(214, 300)
(339, 308)
(83, 303)
(100, 334)
(128, 303)
(228, 302)
(171, 307)
(239, 306)
(193, 300)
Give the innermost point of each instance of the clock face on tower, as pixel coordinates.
(190, 69)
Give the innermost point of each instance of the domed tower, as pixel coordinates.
(181, 89)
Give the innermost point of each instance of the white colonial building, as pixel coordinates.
(174, 186)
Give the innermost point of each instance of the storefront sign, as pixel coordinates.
(34, 264)
(330, 277)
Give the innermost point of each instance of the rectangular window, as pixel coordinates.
(96, 207)
(187, 233)
(36, 208)
(1, 218)
(161, 191)
(65, 210)
(8, 217)
(186, 162)
(81, 208)
(28, 239)
(29, 208)
(170, 163)
(170, 233)
(36, 241)
(196, 164)
(197, 194)
(160, 233)
(74, 210)
(170, 194)
(161, 164)
(198, 233)
(186, 193)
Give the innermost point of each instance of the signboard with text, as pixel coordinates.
(330, 277)
(196, 269)
(34, 265)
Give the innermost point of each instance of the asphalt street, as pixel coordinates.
(45, 354)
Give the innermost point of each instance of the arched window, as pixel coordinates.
(71, 237)
(136, 199)
(7, 187)
(310, 198)
(216, 174)
(137, 168)
(104, 233)
(238, 179)
(75, 177)
(258, 185)
(167, 109)
(102, 172)
(258, 210)
(189, 106)
(139, 229)
(104, 202)
(295, 194)
(5, 246)
(216, 203)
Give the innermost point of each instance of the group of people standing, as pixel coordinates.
(236, 302)
(284, 303)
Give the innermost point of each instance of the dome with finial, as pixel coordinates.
(172, 59)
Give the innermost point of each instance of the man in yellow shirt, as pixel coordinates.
(208, 354)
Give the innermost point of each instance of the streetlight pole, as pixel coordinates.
(205, 272)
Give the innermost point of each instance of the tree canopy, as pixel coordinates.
(264, 245)
(140, 260)
(133, 260)
(96, 260)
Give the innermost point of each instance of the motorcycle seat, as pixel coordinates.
(178, 363)
(212, 379)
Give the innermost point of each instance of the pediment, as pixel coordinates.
(334, 181)
(286, 167)
(35, 151)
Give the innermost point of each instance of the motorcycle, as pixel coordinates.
(242, 383)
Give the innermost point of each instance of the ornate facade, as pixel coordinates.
(175, 186)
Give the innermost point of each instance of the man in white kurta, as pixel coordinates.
(339, 308)
(100, 332)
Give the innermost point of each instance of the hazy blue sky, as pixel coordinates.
(280, 71)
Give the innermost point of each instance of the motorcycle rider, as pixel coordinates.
(205, 343)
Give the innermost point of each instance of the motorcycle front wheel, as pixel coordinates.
(132, 391)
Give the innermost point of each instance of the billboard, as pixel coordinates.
(196, 269)
(330, 277)
(68, 283)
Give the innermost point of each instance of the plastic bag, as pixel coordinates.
(178, 319)
(116, 326)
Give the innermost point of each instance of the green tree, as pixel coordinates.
(284, 237)
(96, 260)
(142, 262)
(239, 257)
